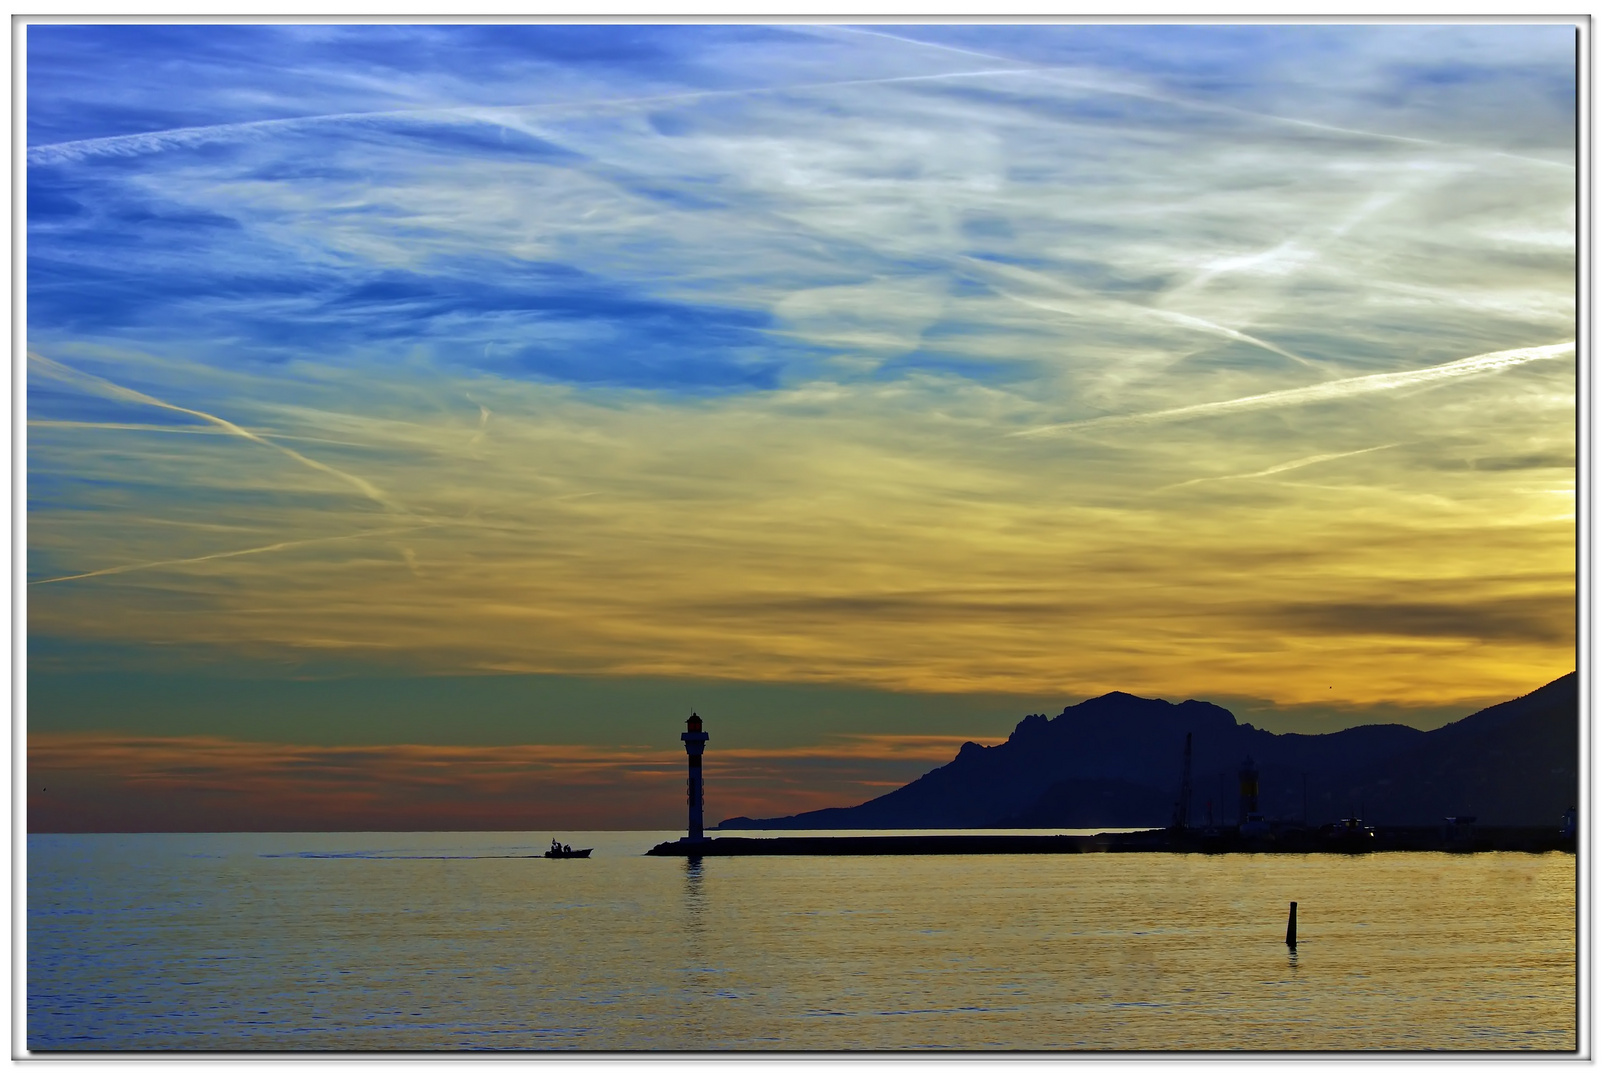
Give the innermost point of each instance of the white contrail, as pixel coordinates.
(1110, 86)
(1164, 314)
(1176, 317)
(1286, 466)
(185, 429)
(150, 142)
(282, 545)
(57, 370)
(1328, 391)
(1294, 245)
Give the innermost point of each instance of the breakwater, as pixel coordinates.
(1209, 842)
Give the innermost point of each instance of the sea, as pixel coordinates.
(429, 943)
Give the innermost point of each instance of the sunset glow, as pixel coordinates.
(1031, 362)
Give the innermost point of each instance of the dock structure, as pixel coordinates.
(1206, 842)
(694, 742)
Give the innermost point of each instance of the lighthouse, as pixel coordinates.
(694, 741)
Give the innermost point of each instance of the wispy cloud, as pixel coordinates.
(1329, 391)
(282, 545)
(96, 384)
(1281, 467)
(107, 782)
(1134, 85)
(699, 350)
(519, 117)
(1166, 315)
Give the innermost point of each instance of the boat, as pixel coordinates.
(557, 850)
(1350, 836)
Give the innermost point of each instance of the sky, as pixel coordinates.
(422, 420)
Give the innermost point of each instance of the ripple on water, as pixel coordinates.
(442, 941)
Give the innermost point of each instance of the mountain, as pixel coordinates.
(1116, 761)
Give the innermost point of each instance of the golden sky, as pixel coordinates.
(1388, 546)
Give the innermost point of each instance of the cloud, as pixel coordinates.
(1144, 311)
(115, 783)
(458, 127)
(1329, 391)
(1525, 619)
(1381, 82)
(698, 347)
(95, 384)
(1282, 467)
(280, 546)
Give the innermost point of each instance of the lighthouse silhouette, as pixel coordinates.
(694, 741)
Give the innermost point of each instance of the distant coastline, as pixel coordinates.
(1119, 759)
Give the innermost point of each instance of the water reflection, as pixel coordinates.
(178, 953)
(694, 894)
(696, 971)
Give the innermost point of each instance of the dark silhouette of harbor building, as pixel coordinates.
(1252, 824)
(694, 742)
(1248, 791)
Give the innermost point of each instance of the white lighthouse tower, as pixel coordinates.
(694, 741)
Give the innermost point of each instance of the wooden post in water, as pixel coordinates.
(1293, 922)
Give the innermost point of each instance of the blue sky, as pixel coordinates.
(317, 187)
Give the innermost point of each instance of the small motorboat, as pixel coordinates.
(557, 850)
(1350, 837)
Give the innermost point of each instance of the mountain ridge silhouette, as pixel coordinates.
(1115, 761)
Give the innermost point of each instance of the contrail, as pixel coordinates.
(1060, 75)
(1165, 314)
(1170, 316)
(1338, 388)
(151, 142)
(282, 545)
(183, 429)
(1341, 228)
(67, 374)
(1287, 466)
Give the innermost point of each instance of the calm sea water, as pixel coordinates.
(387, 942)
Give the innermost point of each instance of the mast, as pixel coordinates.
(1184, 801)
